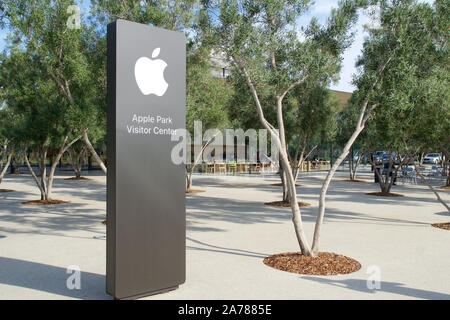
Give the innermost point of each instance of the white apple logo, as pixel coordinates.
(150, 75)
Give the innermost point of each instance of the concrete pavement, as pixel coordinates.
(229, 232)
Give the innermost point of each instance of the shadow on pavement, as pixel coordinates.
(391, 287)
(214, 248)
(51, 279)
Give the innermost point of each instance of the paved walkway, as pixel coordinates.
(229, 232)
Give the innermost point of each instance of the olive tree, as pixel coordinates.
(206, 100)
(414, 110)
(42, 27)
(389, 52)
(42, 117)
(6, 145)
(262, 42)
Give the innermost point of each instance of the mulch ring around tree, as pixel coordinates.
(354, 180)
(384, 194)
(280, 185)
(44, 202)
(286, 204)
(194, 191)
(444, 188)
(6, 190)
(325, 264)
(444, 225)
(77, 178)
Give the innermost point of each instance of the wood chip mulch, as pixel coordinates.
(44, 202)
(444, 225)
(325, 264)
(194, 191)
(6, 190)
(280, 185)
(79, 178)
(444, 188)
(384, 194)
(286, 204)
(354, 180)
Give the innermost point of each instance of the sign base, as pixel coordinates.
(152, 293)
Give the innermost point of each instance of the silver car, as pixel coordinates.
(434, 158)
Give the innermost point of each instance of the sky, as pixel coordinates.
(320, 9)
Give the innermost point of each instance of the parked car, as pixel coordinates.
(377, 157)
(401, 158)
(385, 156)
(434, 158)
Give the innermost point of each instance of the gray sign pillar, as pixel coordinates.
(146, 221)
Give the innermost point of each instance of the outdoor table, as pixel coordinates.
(232, 166)
(221, 167)
(210, 168)
(242, 167)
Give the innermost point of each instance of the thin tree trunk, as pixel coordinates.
(43, 158)
(303, 159)
(323, 191)
(447, 164)
(296, 161)
(284, 184)
(5, 168)
(355, 169)
(72, 160)
(421, 159)
(284, 161)
(350, 163)
(79, 167)
(92, 150)
(76, 162)
(296, 214)
(447, 184)
(191, 171)
(282, 138)
(188, 181)
(385, 184)
(3, 150)
(61, 151)
(377, 172)
(36, 179)
(394, 174)
(363, 117)
(196, 161)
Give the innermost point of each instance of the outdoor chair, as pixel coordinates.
(232, 167)
(210, 168)
(256, 167)
(436, 171)
(222, 167)
(409, 175)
